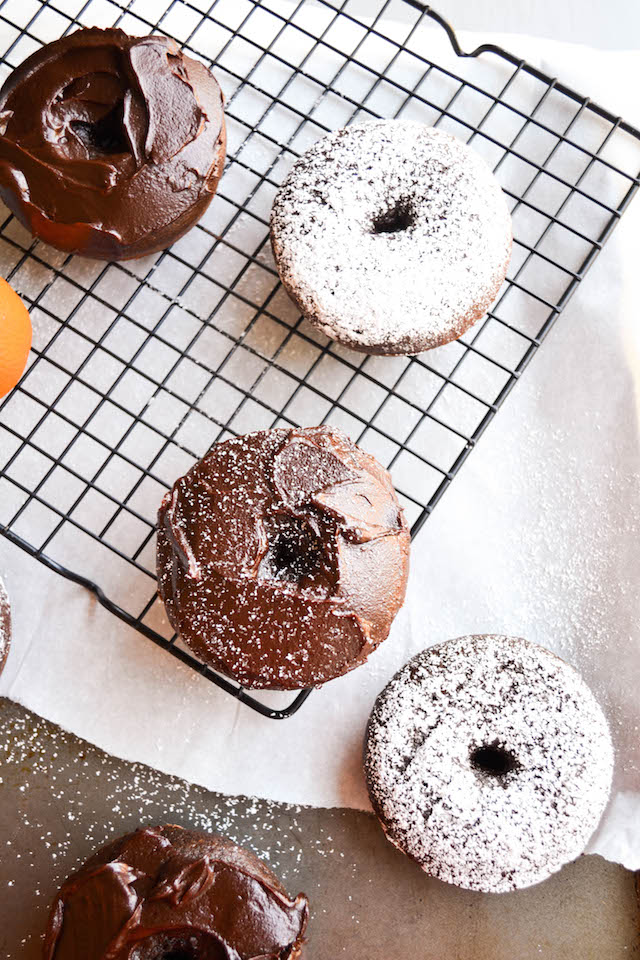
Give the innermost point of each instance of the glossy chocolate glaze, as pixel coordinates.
(111, 146)
(164, 893)
(283, 557)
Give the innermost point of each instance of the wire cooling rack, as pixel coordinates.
(137, 368)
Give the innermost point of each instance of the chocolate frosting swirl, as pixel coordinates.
(283, 557)
(164, 893)
(111, 146)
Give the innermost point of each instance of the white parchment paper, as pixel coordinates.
(538, 536)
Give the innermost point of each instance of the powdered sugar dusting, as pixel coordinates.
(392, 236)
(508, 817)
(5, 625)
(62, 820)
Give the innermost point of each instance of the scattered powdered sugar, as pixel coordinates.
(62, 799)
(391, 236)
(489, 761)
(5, 625)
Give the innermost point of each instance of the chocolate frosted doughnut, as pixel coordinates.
(164, 893)
(488, 761)
(5, 626)
(111, 146)
(283, 557)
(391, 237)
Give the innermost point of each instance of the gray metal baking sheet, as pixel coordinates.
(60, 798)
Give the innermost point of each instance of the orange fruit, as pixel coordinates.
(15, 337)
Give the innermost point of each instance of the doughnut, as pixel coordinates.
(489, 762)
(110, 146)
(5, 626)
(283, 557)
(391, 237)
(164, 893)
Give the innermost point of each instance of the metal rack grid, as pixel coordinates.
(137, 368)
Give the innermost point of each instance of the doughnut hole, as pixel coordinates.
(396, 218)
(93, 107)
(493, 760)
(179, 946)
(106, 135)
(296, 555)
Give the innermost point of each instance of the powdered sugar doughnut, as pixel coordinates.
(488, 761)
(392, 237)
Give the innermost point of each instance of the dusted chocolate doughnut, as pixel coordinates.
(111, 146)
(164, 893)
(5, 626)
(283, 557)
(391, 237)
(489, 761)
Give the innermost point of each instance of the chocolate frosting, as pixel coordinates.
(111, 146)
(283, 557)
(164, 893)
